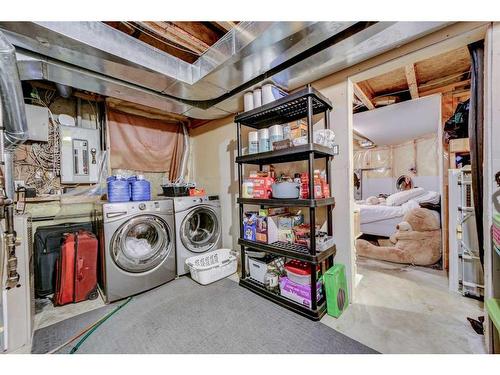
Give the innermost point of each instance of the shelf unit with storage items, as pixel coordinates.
(303, 104)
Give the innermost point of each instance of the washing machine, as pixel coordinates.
(137, 247)
(197, 227)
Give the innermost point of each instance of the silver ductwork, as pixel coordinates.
(95, 57)
(63, 90)
(14, 115)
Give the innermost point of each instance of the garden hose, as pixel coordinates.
(92, 327)
(98, 324)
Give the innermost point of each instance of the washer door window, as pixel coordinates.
(200, 230)
(141, 243)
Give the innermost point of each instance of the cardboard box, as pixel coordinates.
(285, 222)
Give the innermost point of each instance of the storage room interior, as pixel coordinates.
(307, 187)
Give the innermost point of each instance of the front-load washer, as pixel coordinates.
(198, 227)
(137, 247)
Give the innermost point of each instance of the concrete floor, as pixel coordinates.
(407, 309)
(47, 314)
(398, 309)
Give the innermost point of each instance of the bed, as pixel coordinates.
(381, 219)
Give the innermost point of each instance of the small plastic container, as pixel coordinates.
(275, 134)
(264, 142)
(253, 142)
(298, 272)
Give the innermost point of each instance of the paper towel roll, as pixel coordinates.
(248, 101)
(257, 98)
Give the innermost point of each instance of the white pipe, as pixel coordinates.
(185, 154)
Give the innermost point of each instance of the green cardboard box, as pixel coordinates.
(337, 293)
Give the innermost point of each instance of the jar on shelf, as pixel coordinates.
(271, 279)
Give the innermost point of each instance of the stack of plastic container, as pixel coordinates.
(140, 188)
(135, 188)
(118, 189)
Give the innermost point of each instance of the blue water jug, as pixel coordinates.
(118, 189)
(140, 188)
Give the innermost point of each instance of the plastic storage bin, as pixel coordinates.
(212, 266)
(298, 272)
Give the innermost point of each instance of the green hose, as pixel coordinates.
(79, 343)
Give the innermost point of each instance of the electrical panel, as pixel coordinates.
(37, 118)
(79, 155)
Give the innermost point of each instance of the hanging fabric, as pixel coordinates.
(476, 117)
(144, 144)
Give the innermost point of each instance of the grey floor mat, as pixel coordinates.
(185, 317)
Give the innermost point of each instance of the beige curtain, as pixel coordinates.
(144, 144)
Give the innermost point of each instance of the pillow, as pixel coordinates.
(397, 199)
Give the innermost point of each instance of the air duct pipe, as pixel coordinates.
(14, 133)
(13, 110)
(63, 90)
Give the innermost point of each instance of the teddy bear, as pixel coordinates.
(417, 241)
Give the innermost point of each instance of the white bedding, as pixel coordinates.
(373, 213)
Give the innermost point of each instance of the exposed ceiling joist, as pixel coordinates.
(176, 35)
(411, 78)
(226, 25)
(361, 95)
(446, 88)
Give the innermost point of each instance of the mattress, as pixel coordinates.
(385, 228)
(374, 213)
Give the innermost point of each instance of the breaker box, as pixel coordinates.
(79, 155)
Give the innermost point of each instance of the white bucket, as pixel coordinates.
(270, 93)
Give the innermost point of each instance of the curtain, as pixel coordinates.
(476, 51)
(144, 144)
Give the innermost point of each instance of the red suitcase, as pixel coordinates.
(77, 269)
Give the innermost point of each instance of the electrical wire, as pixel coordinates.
(40, 164)
(142, 30)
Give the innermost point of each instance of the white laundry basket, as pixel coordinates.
(213, 266)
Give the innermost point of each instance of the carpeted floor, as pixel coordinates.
(185, 317)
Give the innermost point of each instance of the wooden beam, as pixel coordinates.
(226, 25)
(446, 88)
(361, 95)
(201, 31)
(176, 35)
(411, 78)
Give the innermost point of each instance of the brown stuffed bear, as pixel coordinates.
(417, 241)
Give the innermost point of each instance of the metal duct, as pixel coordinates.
(63, 90)
(95, 57)
(14, 115)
